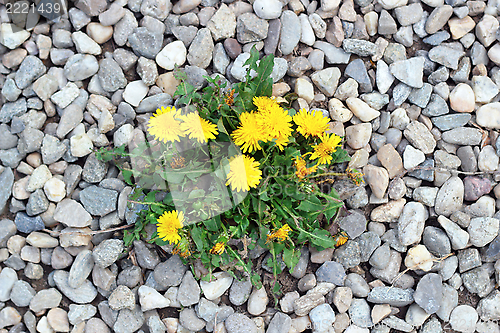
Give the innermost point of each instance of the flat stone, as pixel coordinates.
(45, 299)
(438, 18)
(458, 237)
(213, 289)
(488, 306)
(482, 230)
(85, 293)
(290, 23)
(359, 47)
(333, 55)
(146, 43)
(223, 23)
(377, 178)
(80, 269)
(80, 67)
(326, 80)
(238, 322)
(251, 28)
(6, 183)
(391, 295)
(420, 137)
(360, 313)
(240, 291)
(129, 320)
(201, 49)
(102, 206)
(331, 272)
(450, 197)
(411, 223)
(451, 121)
(428, 293)
(446, 56)
(170, 272)
(189, 290)
(409, 71)
(464, 318)
(110, 75)
(72, 214)
(107, 252)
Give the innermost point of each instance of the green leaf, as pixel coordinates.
(195, 194)
(322, 239)
(216, 260)
(242, 226)
(312, 204)
(212, 224)
(128, 237)
(291, 257)
(263, 80)
(127, 176)
(252, 60)
(161, 242)
(221, 127)
(340, 156)
(198, 238)
(256, 281)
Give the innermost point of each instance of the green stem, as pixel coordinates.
(148, 203)
(326, 196)
(242, 263)
(275, 263)
(327, 174)
(296, 221)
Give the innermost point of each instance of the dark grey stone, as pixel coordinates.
(98, 201)
(436, 241)
(332, 272)
(37, 203)
(451, 121)
(429, 293)
(10, 110)
(353, 224)
(169, 273)
(368, 242)
(146, 43)
(357, 70)
(391, 295)
(27, 224)
(150, 104)
(94, 170)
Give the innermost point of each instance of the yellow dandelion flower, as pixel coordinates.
(249, 133)
(198, 128)
(281, 234)
(229, 97)
(165, 124)
(276, 123)
(168, 226)
(281, 141)
(183, 253)
(264, 102)
(323, 150)
(177, 162)
(341, 238)
(355, 176)
(302, 169)
(218, 248)
(243, 173)
(310, 123)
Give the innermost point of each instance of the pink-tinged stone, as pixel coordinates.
(476, 187)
